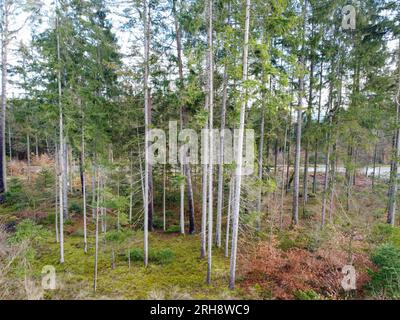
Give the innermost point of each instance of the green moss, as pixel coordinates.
(384, 233)
(157, 256)
(307, 295)
(182, 277)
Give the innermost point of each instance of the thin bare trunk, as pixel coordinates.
(4, 75)
(146, 21)
(93, 190)
(374, 165)
(395, 156)
(36, 147)
(97, 231)
(228, 216)
(260, 166)
(61, 151)
(326, 180)
(211, 140)
(314, 187)
(220, 196)
(164, 193)
(83, 185)
(295, 211)
(283, 177)
(28, 156)
(56, 167)
(239, 152)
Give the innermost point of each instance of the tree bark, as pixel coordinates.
(4, 75)
(28, 156)
(239, 152)
(395, 157)
(228, 216)
(211, 140)
(220, 196)
(97, 232)
(62, 145)
(314, 187)
(295, 210)
(260, 165)
(374, 165)
(146, 22)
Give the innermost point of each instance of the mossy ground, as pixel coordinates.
(354, 233)
(183, 277)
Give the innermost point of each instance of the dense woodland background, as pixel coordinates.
(80, 93)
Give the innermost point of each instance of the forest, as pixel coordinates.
(199, 149)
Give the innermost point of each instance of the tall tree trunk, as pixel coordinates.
(184, 120)
(308, 126)
(332, 181)
(349, 175)
(289, 134)
(93, 189)
(131, 188)
(326, 180)
(9, 141)
(4, 74)
(82, 161)
(182, 203)
(190, 198)
(146, 22)
(61, 151)
(374, 165)
(260, 165)
(228, 216)
(81, 178)
(203, 244)
(65, 178)
(47, 145)
(36, 147)
(56, 169)
(164, 194)
(28, 155)
(295, 210)
(220, 194)
(314, 187)
(97, 231)
(211, 140)
(283, 176)
(395, 155)
(239, 152)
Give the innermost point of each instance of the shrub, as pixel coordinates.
(158, 223)
(310, 240)
(173, 229)
(16, 196)
(118, 235)
(50, 219)
(169, 213)
(78, 233)
(45, 179)
(385, 233)
(75, 207)
(386, 280)
(157, 256)
(27, 230)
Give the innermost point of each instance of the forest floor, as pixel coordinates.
(302, 262)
